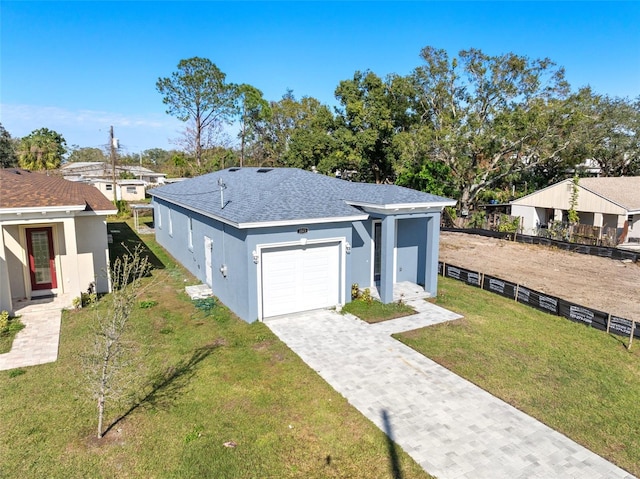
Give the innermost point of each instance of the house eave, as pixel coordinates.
(403, 208)
(266, 224)
(301, 221)
(42, 209)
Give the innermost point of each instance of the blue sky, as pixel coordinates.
(79, 67)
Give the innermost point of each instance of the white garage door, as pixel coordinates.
(300, 278)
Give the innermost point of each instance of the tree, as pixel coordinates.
(253, 110)
(42, 149)
(198, 92)
(106, 364)
(8, 157)
(488, 117)
(371, 114)
(609, 134)
(297, 133)
(86, 154)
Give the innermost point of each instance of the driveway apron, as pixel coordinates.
(451, 427)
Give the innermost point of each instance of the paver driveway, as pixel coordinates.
(451, 427)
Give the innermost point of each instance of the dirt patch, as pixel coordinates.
(600, 283)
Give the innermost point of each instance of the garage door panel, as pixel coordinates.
(300, 278)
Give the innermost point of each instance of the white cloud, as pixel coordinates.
(91, 128)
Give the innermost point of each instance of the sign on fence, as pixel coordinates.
(582, 314)
(541, 301)
(461, 274)
(499, 286)
(620, 326)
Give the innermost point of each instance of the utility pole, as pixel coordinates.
(112, 149)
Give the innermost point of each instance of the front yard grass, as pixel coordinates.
(209, 379)
(374, 311)
(579, 381)
(8, 334)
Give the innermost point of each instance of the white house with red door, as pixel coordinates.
(53, 237)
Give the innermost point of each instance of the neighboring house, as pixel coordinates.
(282, 240)
(89, 170)
(128, 190)
(604, 202)
(53, 237)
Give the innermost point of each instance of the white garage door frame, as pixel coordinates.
(341, 241)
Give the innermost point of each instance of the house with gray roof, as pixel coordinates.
(606, 202)
(273, 241)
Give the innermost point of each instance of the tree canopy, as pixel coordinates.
(8, 156)
(472, 126)
(198, 92)
(42, 149)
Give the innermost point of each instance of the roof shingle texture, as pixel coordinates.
(282, 194)
(623, 190)
(30, 189)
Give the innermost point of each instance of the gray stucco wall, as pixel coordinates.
(411, 241)
(361, 253)
(285, 234)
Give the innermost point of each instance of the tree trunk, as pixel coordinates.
(198, 142)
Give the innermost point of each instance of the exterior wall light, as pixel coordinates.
(256, 257)
(347, 247)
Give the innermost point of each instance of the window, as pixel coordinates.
(159, 217)
(108, 187)
(132, 189)
(170, 223)
(190, 233)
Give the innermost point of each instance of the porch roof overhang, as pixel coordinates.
(403, 208)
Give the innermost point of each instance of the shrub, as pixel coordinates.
(366, 296)
(355, 291)
(4, 322)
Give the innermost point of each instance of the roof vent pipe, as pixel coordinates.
(222, 186)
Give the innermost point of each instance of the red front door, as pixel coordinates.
(41, 258)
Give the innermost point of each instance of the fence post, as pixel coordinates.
(633, 328)
(516, 295)
(608, 322)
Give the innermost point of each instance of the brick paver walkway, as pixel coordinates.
(38, 342)
(451, 427)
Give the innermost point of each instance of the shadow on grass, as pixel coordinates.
(126, 238)
(164, 387)
(394, 462)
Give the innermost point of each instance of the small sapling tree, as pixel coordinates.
(106, 363)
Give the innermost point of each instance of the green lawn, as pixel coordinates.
(7, 336)
(206, 378)
(578, 380)
(375, 311)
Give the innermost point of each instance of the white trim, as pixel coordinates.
(342, 240)
(42, 209)
(395, 254)
(302, 221)
(373, 252)
(404, 207)
(372, 278)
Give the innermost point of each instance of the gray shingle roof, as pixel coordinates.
(286, 194)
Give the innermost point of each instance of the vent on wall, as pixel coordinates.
(264, 170)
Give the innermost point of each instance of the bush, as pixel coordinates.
(4, 322)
